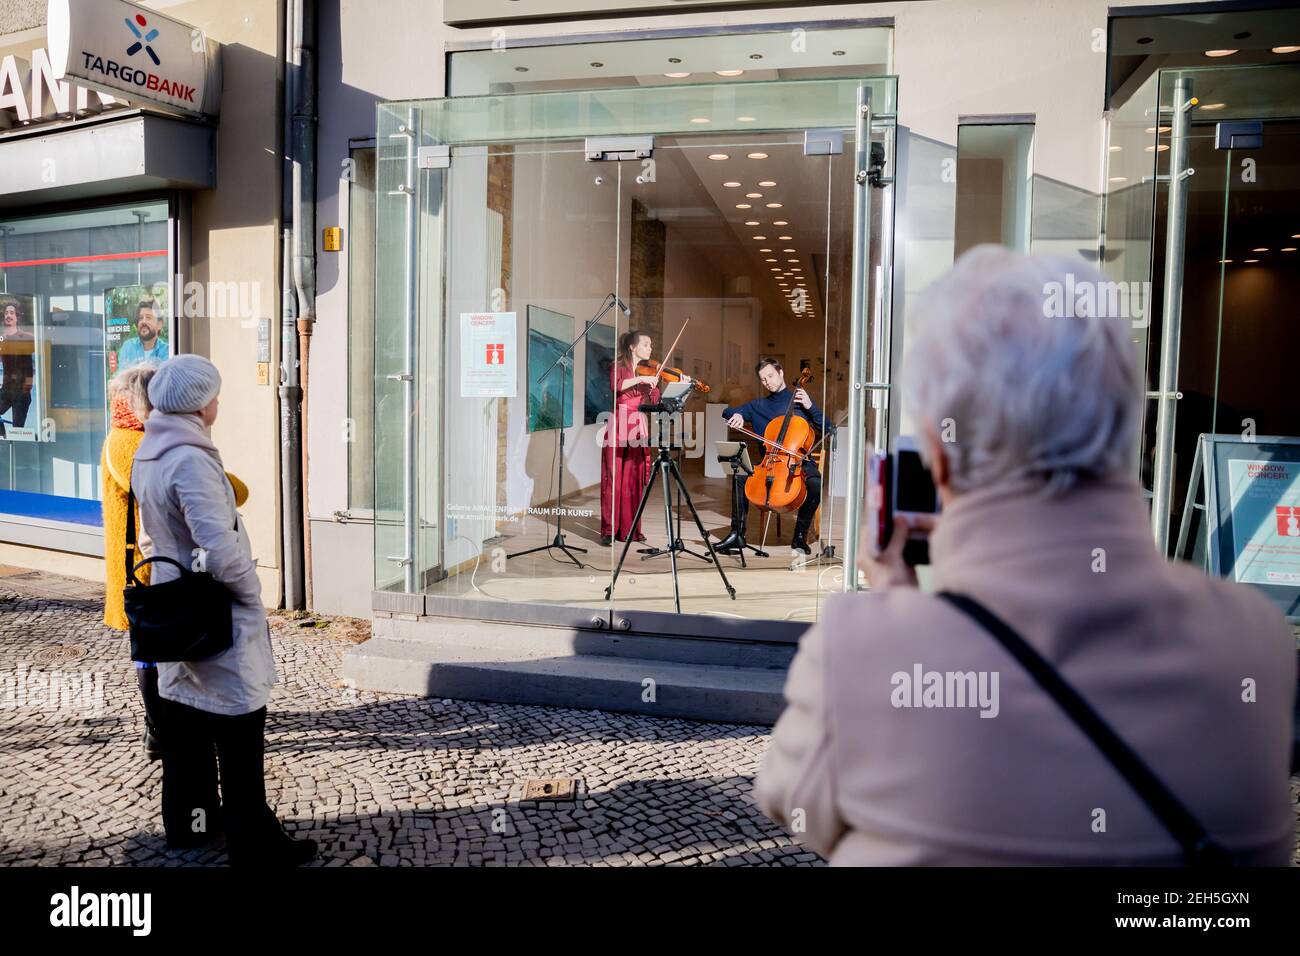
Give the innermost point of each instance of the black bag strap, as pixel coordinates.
(130, 548)
(1199, 848)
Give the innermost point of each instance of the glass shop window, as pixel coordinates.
(82, 295)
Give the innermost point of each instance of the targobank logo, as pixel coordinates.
(129, 75)
(142, 40)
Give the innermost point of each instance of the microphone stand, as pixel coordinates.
(565, 358)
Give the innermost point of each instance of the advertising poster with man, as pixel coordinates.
(135, 325)
(20, 404)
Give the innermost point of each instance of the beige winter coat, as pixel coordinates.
(1197, 675)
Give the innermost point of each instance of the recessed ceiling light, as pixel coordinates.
(753, 195)
(760, 238)
(796, 270)
(674, 59)
(1145, 40)
(743, 205)
(764, 250)
(521, 69)
(677, 76)
(756, 56)
(1287, 249)
(597, 64)
(757, 155)
(1162, 129)
(785, 238)
(735, 72)
(1250, 260)
(752, 222)
(1118, 179)
(1224, 262)
(1157, 149)
(1286, 49)
(1211, 106)
(1261, 249)
(788, 250)
(791, 260)
(774, 205)
(776, 269)
(837, 52)
(779, 222)
(699, 119)
(746, 119)
(767, 184)
(1116, 149)
(731, 185)
(718, 157)
(1220, 52)
(1296, 236)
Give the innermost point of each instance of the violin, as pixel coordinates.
(667, 374)
(777, 483)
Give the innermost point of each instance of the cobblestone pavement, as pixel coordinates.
(375, 779)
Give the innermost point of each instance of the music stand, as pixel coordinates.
(736, 454)
(674, 395)
(666, 469)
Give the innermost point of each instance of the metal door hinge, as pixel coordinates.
(433, 157)
(599, 149)
(823, 142)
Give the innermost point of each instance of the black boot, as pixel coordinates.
(730, 543)
(799, 543)
(152, 746)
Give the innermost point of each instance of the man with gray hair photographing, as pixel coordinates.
(1139, 712)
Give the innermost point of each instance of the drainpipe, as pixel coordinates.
(299, 311)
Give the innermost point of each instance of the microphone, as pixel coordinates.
(627, 311)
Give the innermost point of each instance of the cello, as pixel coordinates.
(777, 483)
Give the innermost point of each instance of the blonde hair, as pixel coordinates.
(132, 383)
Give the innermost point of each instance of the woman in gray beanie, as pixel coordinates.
(215, 709)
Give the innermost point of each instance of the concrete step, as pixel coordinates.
(524, 664)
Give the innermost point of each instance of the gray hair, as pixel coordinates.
(133, 384)
(1020, 380)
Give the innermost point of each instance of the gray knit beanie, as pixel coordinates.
(186, 383)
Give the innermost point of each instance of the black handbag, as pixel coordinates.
(186, 619)
(1199, 848)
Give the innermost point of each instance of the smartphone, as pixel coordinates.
(903, 486)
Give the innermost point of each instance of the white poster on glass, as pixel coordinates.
(489, 355)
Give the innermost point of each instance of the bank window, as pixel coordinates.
(82, 294)
(994, 184)
(360, 245)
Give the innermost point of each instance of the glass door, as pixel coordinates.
(1227, 215)
(719, 231)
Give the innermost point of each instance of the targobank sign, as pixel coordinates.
(133, 51)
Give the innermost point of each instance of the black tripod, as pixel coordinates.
(675, 542)
(666, 470)
(564, 359)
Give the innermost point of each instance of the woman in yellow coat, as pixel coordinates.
(128, 395)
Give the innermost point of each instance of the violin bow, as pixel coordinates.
(669, 354)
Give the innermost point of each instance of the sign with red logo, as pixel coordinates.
(488, 355)
(134, 52)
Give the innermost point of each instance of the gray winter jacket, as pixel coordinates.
(187, 504)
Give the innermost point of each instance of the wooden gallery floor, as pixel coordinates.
(772, 588)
